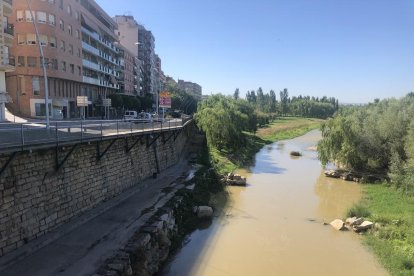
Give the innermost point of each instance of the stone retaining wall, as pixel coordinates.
(35, 198)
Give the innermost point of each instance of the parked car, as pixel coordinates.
(147, 117)
(130, 115)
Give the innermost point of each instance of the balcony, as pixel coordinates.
(9, 29)
(91, 65)
(91, 80)
(90, 48)
(7, 62)
(91, 34)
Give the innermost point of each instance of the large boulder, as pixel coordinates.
(363, 226)
(204, 211)
(338, 224)
(354, 221)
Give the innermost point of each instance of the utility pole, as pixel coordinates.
(43, 65)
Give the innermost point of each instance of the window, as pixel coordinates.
(31, 61)
(72, 68)
(61, 25)
(54, 64)
(79, 71)
(71, 49)
(69, 9)
(40, 109)
(52, 19)
(77, 34)
(43, 40)
(28, 16)
(63, 65)
(62, 45)
(36, 86)
(46, 62)
(31, 39)
(61, 4)
(70, 29)
(51, 1)
(20, 16)
(52, 42)
(21, 39)
(20, 61)
(41, 17)
(77, 15)
(79, 52)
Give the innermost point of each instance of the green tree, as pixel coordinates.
(284, 101)
(236, 94)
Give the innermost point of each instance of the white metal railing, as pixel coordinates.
(27, 135)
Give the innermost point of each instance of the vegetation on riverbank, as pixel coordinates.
(236, 128)
(279, 129)
(392, 239)
(378, 139)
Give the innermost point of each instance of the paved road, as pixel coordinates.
(80, 247)
(34, 133)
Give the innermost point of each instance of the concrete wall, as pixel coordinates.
(35, 199)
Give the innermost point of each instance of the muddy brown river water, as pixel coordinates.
(274, 225)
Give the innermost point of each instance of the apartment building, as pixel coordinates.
(7, 62)
(81, 57)
(146, 54)
(191, 88)
(128, 75)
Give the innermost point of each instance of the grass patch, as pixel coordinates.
(358, 210)
(280, 129)
(287, 128)
(393, 239)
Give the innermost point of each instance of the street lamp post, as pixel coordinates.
(43, 65)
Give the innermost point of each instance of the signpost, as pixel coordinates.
(106, 103)
(82, 102)
(165, 101)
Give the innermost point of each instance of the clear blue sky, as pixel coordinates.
(354, 50)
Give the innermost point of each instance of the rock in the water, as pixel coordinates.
(237, 180)
(295, 153)
(338, 224)
(204, 212)
(363, 226)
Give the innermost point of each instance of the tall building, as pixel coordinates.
(191, 88)
(81, 57)
(146, 54)
(127, 78)
(136, 38)
(7, 62)
(127, 31)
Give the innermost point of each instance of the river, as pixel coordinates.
(274, 225)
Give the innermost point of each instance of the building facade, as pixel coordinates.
(127, 79)
(81, 57)
(7, 61)
(191, 88)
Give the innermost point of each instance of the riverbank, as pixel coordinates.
(279, 129)
(393, 237)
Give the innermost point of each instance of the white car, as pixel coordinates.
(130, 115)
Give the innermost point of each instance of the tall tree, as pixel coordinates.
(236, 94)
(284, 101)
(272, 101)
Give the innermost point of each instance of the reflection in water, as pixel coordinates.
(273, 226)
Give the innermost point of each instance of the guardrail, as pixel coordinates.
(21, 136)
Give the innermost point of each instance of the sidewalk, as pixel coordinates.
(81, 246)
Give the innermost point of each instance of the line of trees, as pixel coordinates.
(376, 138)
(304, 106)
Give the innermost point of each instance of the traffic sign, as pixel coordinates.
(82, 100)
(165, 99)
